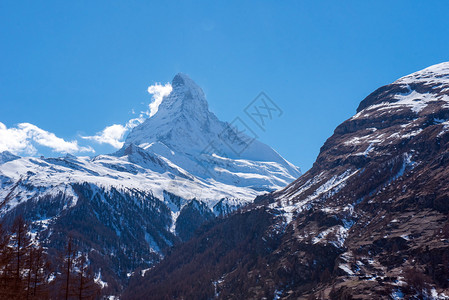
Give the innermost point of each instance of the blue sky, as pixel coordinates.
(72, 69)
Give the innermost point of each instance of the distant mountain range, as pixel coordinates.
(176, 170)
(369, 220)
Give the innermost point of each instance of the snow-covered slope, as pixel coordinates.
(179, 168)
(386, 120)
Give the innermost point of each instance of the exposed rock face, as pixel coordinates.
(368, 221)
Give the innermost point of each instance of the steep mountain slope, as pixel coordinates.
(368, 221)
(130, 207)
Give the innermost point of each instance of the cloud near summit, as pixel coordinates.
(158, 91)
(114, 134)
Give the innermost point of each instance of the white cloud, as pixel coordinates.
(114, 134)
(158, 91)
(23, 138)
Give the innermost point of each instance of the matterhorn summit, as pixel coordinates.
(183, 120)
(184, 131)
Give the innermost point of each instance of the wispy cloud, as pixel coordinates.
(114, 134)
(23, 139)
(158, 91)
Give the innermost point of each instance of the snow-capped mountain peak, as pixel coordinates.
(6, 156)
(416, 92)
(188, 134)
(183, 120)
(438, 73)
(186, 97)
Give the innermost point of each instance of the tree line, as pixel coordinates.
(28, 271)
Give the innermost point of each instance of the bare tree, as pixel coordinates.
(40, 269)
(87, 288)
(69, 258)
(5, 264)
(21, 244)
